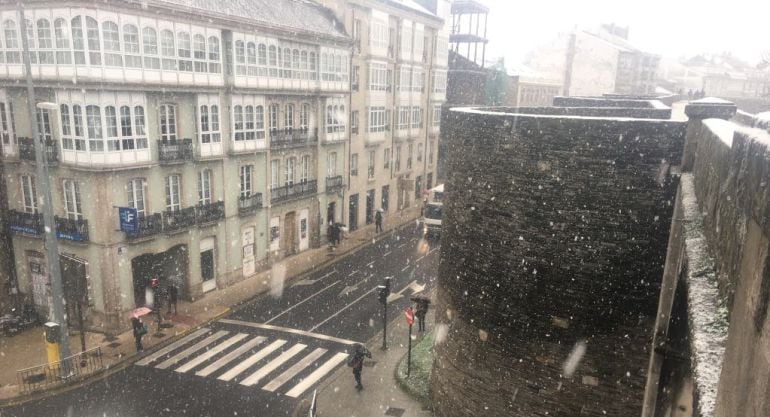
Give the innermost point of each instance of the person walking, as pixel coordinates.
(157, 304)
(357, 363)
(139, 330)
(378, 221)
(173, 293)
(421, 309)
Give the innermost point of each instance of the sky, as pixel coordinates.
(671, 28)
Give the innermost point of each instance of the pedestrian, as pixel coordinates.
(357, 363)
(157, 301)
(139, 330)
(421, 309)
(378, 221)
(173, 293)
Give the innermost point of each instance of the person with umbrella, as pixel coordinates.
(420, 310)
(357, 363)
(139, 330)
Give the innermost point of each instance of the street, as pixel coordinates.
(269, 353)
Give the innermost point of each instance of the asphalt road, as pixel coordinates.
(267, 355)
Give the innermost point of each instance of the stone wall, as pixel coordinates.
(555, 234)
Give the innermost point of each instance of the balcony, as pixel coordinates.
(176, 220)
(292, 138)
(175, 151)
(27, 150)
(333, 184)
(149, 225)
(249, 205)
(210, 213)
(23, 223)
(75, 230)
(293, 191)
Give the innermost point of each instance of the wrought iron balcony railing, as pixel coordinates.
(333, 183)
(175, 220)
(293, 191)
(149, 225)
(175, 151)
(209, 213)
(71, 229)
(22, 222)
(249, 204)
(27, 150)
(288, 138)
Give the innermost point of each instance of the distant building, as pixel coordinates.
(527, 88)
(595, 62)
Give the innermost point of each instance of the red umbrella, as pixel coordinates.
(141, 311)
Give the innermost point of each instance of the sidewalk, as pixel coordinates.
(338, 397)
(27, 348)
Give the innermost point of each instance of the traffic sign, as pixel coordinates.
(409, 316)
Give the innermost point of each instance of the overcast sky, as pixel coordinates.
(667, 27)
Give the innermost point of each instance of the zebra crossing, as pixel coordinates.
(273, 363)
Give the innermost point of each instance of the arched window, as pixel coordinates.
(259, 119)
(44, 41)
(251, 55)
(111, 120)
(304, 116)
(94, 128)
(78, 41)
(295, 61)
(312, 66)
(214, 55)
(131, 46)
(199, 53)
(61, 32)
(238, 122)
(262, 54)
(111, 36)
(140, 130)
(66, 130)
(12, 54)
(150, 48)
(304, 60)
(273, 61)
(215, 123)
(94, 48)
(30, 28)
(167, 50)
(183, 49)
(287, 63)
(289, 116)
(248, 117)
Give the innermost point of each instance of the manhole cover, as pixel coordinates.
(397, 412)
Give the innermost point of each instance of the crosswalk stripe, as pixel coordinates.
(230, 356)
(272, 365)
(192, 349)
(317, 375)
(211, 352)
(237, 370)
(149, 359)
(294, 370)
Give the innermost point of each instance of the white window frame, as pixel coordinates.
(72, 199)
(167, 116)
(205, 194)
(245, 177)
(28, 193)
(136, 195)
(173, 192)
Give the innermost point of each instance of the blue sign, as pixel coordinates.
(128, 220)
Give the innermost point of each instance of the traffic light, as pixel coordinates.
(382, 294)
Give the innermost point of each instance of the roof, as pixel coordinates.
(412, 5)
(529, 75)
(301, 15)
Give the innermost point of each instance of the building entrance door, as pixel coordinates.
(290, 234)
(331, 215)
(353, 212)
(370, 207)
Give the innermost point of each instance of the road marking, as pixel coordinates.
(419, 259)
(413, 285)
(405, 268)
(272, 365)
(386, 254)
(308, 281)
(343, 309)
(433, 250)
(211, 352)
(169, 348)
(353, 273)
(230, 356)
(192, 349)
(295, 305)
(288, 330)
(241, 367)
(350, 288)
(401, 245)
(370, 264)
(316, 375)
(294, 370)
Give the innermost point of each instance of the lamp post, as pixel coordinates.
(44, 197)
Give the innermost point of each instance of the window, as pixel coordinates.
(245, 180)
(61, 32)
(240, 58)
(259, 117)
(354, 122)
(398, 158)
(436, 115)
(418, 80)
(79, 131)
(378, 34)
(378, 120)
(370, 165)
(168, 122)
(409, 150)
(304, 169)
(248, 117)
(214, 60)
(238, 122)
(210, 124)
(355, 78)
(289, 116)
(168, 50)
(183, 48)
(111, 36)
(386, 158)
(66, 130)
(419, 152)
(439, 82)
(136, 200)
(403, 118)
(29, 194)
(405, 79)
(44, 124)
(12, 55)
(30, 28)
(127, 138)
(44, 42)
(204, 187)
(199, 53)
(335, 118)
(131, 46)
(111, 119)
(289, 173)
(94, 123)
(92, 34)
(331, 164)
(140, 131)
(273, 117)
(354, 164)
(273, 61)
(150, 48)
(304, 116)
(416, 117)
(274, 167)
(72, 202)
(378, 77)
(172, 193)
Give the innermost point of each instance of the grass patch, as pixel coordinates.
(417, 384)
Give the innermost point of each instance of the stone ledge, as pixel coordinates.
(710, 108)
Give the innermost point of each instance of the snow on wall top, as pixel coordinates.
(707, 313)
(723, 129)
